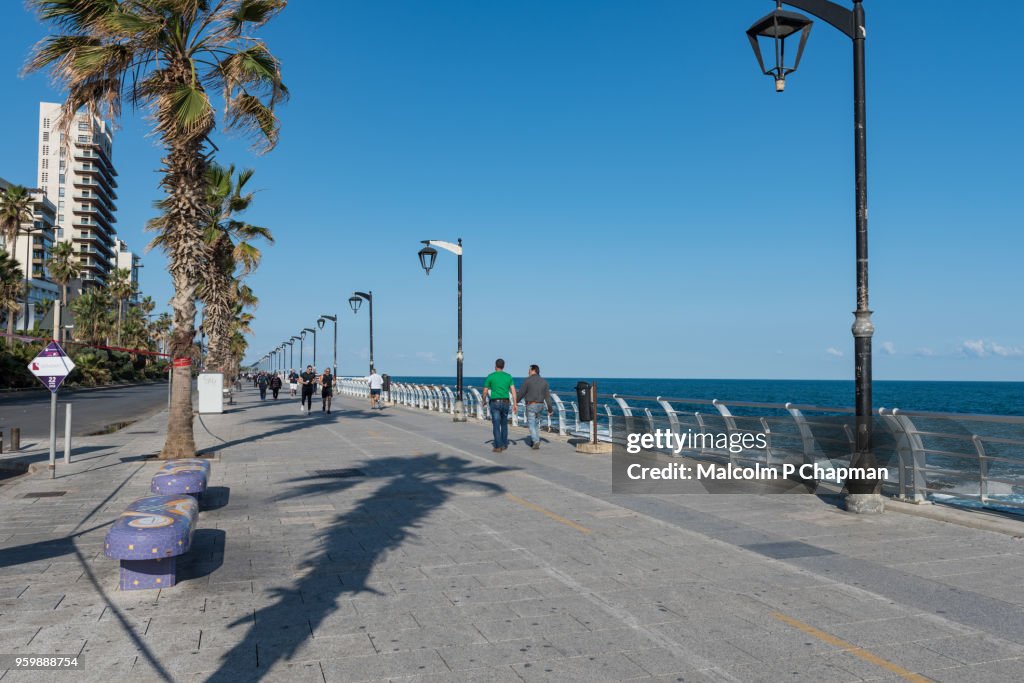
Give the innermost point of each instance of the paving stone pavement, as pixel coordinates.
(394, 545)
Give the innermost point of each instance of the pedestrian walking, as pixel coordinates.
(308, 381)
(261, 383)
(326, 390)
(376, 383)
(275, 384)
(293, 381)
(536, 394)
(499, 395)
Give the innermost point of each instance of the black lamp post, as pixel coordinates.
(428, 256)
(862, 494)
(320, 324)
(291, 356)
(355, 301)
(310, 329)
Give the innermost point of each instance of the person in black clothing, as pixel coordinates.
(308, 381)
(275, 385)
(326, 390)
(261, 383)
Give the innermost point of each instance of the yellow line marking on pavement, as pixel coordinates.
(854, 650)
(548, 513)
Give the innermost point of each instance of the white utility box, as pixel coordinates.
(211, 392)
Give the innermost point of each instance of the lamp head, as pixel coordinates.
(355, 302)
(428, 256)
(320, 323)
(773, 29)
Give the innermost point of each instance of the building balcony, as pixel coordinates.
(97, 171)
(96, 209)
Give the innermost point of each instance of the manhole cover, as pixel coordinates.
(339, 474)
(788, 549)
(44, 494)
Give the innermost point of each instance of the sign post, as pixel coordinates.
(51, 367)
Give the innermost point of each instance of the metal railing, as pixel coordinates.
(975, 460)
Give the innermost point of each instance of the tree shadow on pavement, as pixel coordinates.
(414, 486)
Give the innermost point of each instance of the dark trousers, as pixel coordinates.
(263, 393)
(499, 422)
(275, 392)
(307, 396)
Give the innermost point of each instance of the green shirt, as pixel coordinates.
(498, 382)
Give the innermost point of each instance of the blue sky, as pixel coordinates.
(634, 198)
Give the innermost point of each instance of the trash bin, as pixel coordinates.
(586, 406)
(386, 386)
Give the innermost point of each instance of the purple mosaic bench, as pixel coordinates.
(182, 476)
(149, 536)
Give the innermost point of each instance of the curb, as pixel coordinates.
(974, 519)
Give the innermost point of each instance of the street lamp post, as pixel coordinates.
(428, 255)
(862, 494)
(320, 324)
(355, 301)
(310, 329)
(291, 355)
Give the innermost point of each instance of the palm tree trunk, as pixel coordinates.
(185, 185)
(120, 304)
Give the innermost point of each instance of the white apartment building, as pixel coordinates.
(31, 248)
(78, 176)
(131, 262)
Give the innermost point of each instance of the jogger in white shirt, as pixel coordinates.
(376, 383)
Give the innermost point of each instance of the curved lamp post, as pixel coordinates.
(291, 356)
(428, 256)
(320, 323)
(775, 28)
(355, 301)
(310, 329)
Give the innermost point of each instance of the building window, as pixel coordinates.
(46, 123)
(46, 163)
(60, 231)
(62, 138)
(83, 125)
(46, 136)
(60, 206)
(46, 150)
(46, 178)
(62, 162)
(60, 191)
(60, 179)
(83, 138)
(63, 151)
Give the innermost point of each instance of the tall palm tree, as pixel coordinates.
(160, 329)
(15, 213)
(11, 285)
(120, 286)
(232, 256)
(64, 267)
(166, 56)
(93, 316)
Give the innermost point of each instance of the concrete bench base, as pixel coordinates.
(148, 574)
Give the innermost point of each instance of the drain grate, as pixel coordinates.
(784, 550)
(339, 474)
(44, 494)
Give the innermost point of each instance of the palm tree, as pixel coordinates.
(120, 286)
(15, 212)
(11, 286)
(231, 257)
(93, 313)
(64, 267)
(165, 56)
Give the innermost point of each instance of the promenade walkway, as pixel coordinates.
(393, 545)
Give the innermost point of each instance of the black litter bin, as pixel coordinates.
(586, 406)
(386, 385)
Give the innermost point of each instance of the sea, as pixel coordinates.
(981, 398)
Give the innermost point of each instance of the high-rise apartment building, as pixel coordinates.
(130, 261)
(31, 248)
(77, 173)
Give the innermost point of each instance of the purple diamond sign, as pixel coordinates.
(52, 366)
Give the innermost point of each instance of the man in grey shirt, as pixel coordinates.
(536, 393)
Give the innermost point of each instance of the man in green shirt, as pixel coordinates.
(499, 396)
